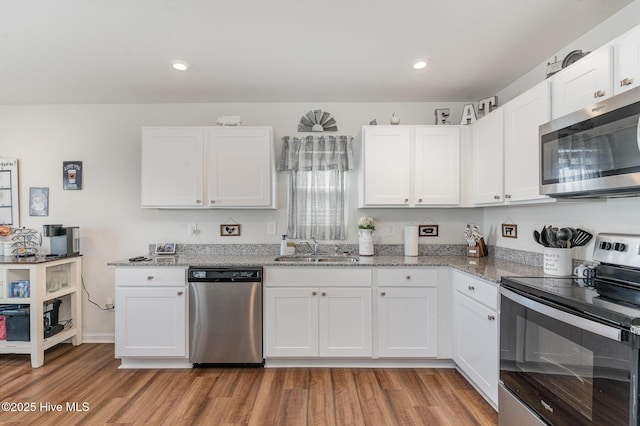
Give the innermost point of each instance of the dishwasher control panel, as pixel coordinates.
(225, 275)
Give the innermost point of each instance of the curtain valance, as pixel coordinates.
(316, 153)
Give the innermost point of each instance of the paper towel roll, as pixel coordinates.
(410, 240)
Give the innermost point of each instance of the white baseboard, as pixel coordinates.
(98, 338)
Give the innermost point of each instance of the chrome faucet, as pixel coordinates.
(314, 249)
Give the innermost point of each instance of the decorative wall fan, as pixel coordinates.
(317, 121)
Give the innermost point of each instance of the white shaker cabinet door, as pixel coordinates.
(627, 62)
(291, 322)
(522, 117)
(387, 174)
(585, 82)
(437, 165)
(407, 322)
(488, 159)
(172, 166)
(345, 322)
(239, 167)
(151, 322)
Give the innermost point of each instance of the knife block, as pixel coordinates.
(480, 250)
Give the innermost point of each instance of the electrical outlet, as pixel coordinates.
(391, 229)
(192, 229)
(109, 303)
(271, 228)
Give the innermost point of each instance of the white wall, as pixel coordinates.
(107, 210)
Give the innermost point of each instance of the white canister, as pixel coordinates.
(365, 242)
(558, 261)
(410, 240)
(7, 249)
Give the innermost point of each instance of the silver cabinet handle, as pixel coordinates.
(496, 197)
(383, 294)
(626, 82)
(507, 195)
(212, 202)
(491, 317)
(419, 200)
(408, 277)
(406, 200)
(598, 93)
(149, 277)
(313, 293)
(180, 293)
(198, 201)
(323, 293)
(471, 288)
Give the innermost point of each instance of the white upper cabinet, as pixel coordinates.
(239, 167)
(587, 81)
(522, 117)
(627, 61)
(410, 166)
(172, 167)
(211, 167)
(488, 159)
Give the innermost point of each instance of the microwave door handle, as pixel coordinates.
(573, 320)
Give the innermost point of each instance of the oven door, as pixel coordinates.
(568, 369)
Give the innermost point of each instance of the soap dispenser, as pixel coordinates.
(283, 246)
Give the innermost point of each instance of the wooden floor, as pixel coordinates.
(88, 375)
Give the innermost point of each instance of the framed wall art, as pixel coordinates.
(230, 230)
(509, 230)
(428, 230)
(165, 248)
(38, 201)
(72, 175)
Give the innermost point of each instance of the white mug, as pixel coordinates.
(584, 271)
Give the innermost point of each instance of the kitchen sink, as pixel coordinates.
(317, 258)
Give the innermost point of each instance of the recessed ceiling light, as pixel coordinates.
(180, 65)
(420, 65)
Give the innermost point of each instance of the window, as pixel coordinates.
(317, 186)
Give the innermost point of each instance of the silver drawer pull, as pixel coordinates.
(212, 202)
(324, 294)
(313, 293)
(149, 277)
(496, 197)
(491, 317)
(626, 82)
(507, 195)
(471, 288)
(383, 294)
(179, 293)
(198, 201)
(419, 200)
(406, 200)
(598, 93)
(408, 277)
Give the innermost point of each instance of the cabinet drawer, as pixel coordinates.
(151, 277)
(477, 289)
(407, 277)
(317, 277)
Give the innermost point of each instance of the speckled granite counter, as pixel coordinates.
(488, 268)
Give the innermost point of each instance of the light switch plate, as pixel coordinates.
(271, 228)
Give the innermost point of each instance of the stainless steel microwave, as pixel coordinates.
(594, 152)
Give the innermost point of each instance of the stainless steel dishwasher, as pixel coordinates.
(225, 316)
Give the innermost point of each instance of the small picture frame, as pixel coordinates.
(509, 230)
(427, 230)
(38, 201)
(165, 248)
(72, 175)
(230, 230)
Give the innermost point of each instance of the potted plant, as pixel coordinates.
(366, 226)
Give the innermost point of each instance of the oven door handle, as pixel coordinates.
(574, 320)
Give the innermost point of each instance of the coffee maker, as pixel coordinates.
(65, 241)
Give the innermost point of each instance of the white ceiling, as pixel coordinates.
(119, 51)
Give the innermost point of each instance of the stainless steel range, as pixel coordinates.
(569, 347)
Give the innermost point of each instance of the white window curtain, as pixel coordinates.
(317, 186)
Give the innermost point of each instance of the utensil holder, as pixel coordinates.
(558, 262)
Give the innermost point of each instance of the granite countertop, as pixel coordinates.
(488, 268)
(32, 260)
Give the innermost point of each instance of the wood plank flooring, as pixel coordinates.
(88, 375)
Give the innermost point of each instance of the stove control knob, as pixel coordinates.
(605, 245)
(619, 247)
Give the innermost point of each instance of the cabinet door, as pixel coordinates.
(386, 154)
(627, 62)
(345, 322)
(437, 166)
(476, 343)
(407, 322)
(522, 117)
(239, 167)
(172, 166)
(488, 159)
(582, 83)
(151, 322)
(291, 322)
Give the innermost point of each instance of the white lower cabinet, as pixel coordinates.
(407, 313)
(151, 313)
(303, 319)
(475, 331)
